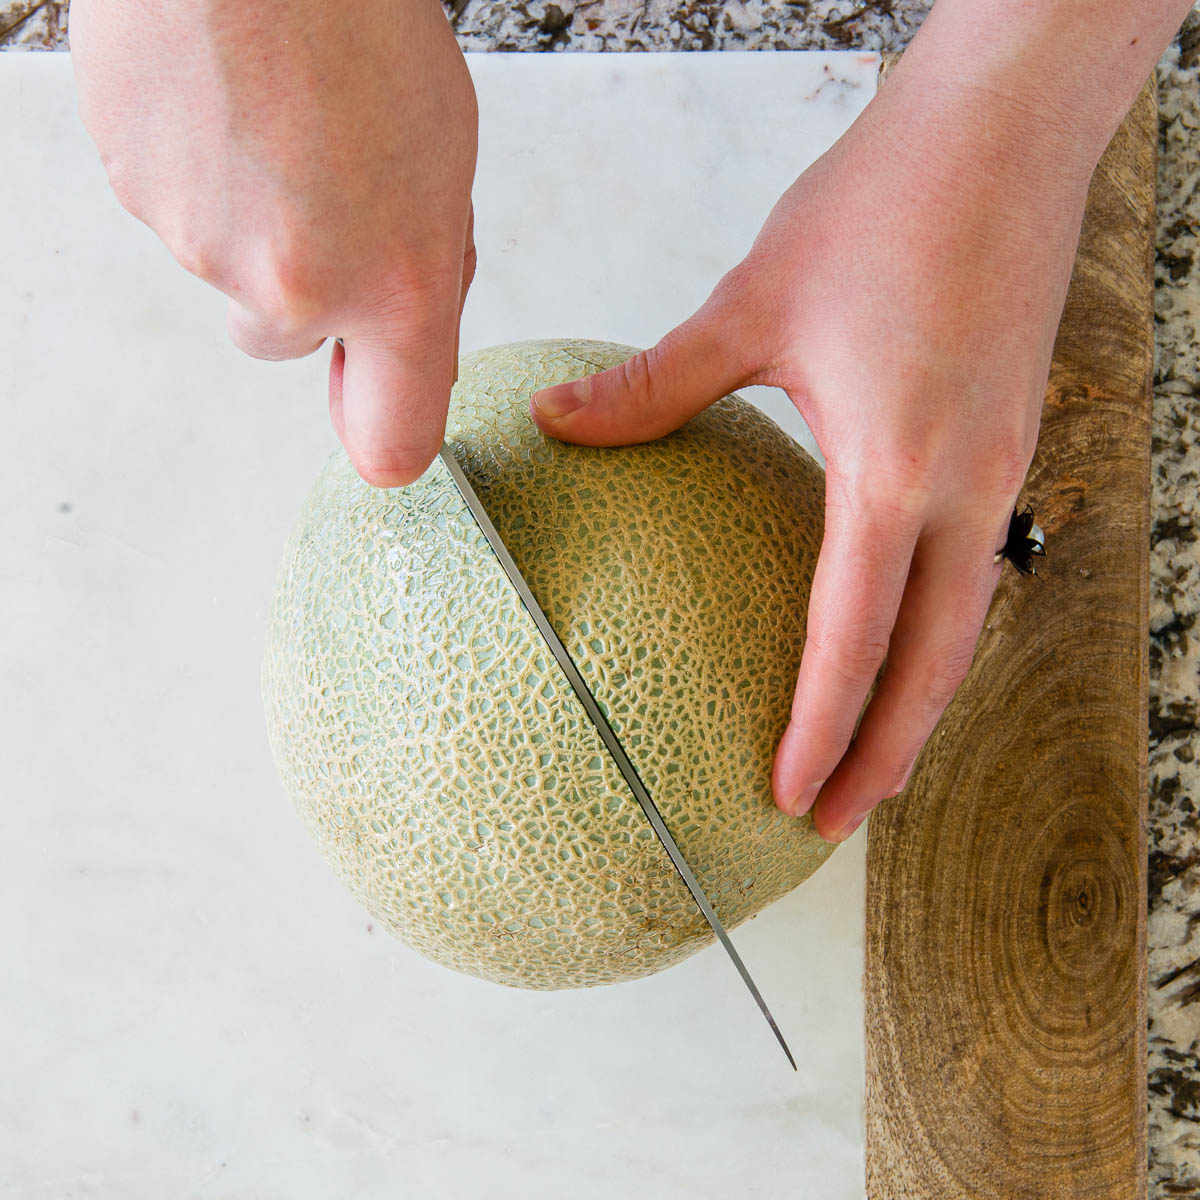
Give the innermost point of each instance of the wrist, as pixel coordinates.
(961, 140)
(1047, 80)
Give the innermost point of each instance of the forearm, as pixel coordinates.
(1045, 82)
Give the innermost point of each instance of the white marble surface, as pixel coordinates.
(190, 1004)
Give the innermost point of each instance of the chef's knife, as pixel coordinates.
(477, 510)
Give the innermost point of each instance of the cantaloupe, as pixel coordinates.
(431, 742)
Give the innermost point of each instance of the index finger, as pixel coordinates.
(856, 591)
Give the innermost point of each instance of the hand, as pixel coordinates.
(905, 292)
(315, 163)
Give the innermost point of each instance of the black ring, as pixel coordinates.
(1025, 539)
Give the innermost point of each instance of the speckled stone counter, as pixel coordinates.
(1174, 829)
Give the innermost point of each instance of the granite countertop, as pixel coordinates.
(1174, 827)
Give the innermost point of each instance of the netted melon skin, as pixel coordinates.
(435, 750)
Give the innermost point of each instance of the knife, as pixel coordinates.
(630, 775)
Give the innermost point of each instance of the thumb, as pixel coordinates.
(388, 406)
(648, 395)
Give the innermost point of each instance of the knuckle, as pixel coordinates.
(901, 494)
(122, 189)
(415, 312)
(737, 320)
(254, 335)
(944, 677)
(1006, 472)
(245, 336)
(183, 237)
(186, 236)
(192, 256)
(293, 292)
(255, 341)
(121, 182)
(732, 289)
(640, 372)
(852, 655)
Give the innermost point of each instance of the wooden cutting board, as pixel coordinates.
(1006, 890)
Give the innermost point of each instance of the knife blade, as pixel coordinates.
(607, 734)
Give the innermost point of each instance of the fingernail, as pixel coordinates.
(903, 782)
(846, 830)
(563, 398)
(806, 799)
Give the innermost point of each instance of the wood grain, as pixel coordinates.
(1006, 888)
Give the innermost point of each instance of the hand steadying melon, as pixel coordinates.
(435, 749)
